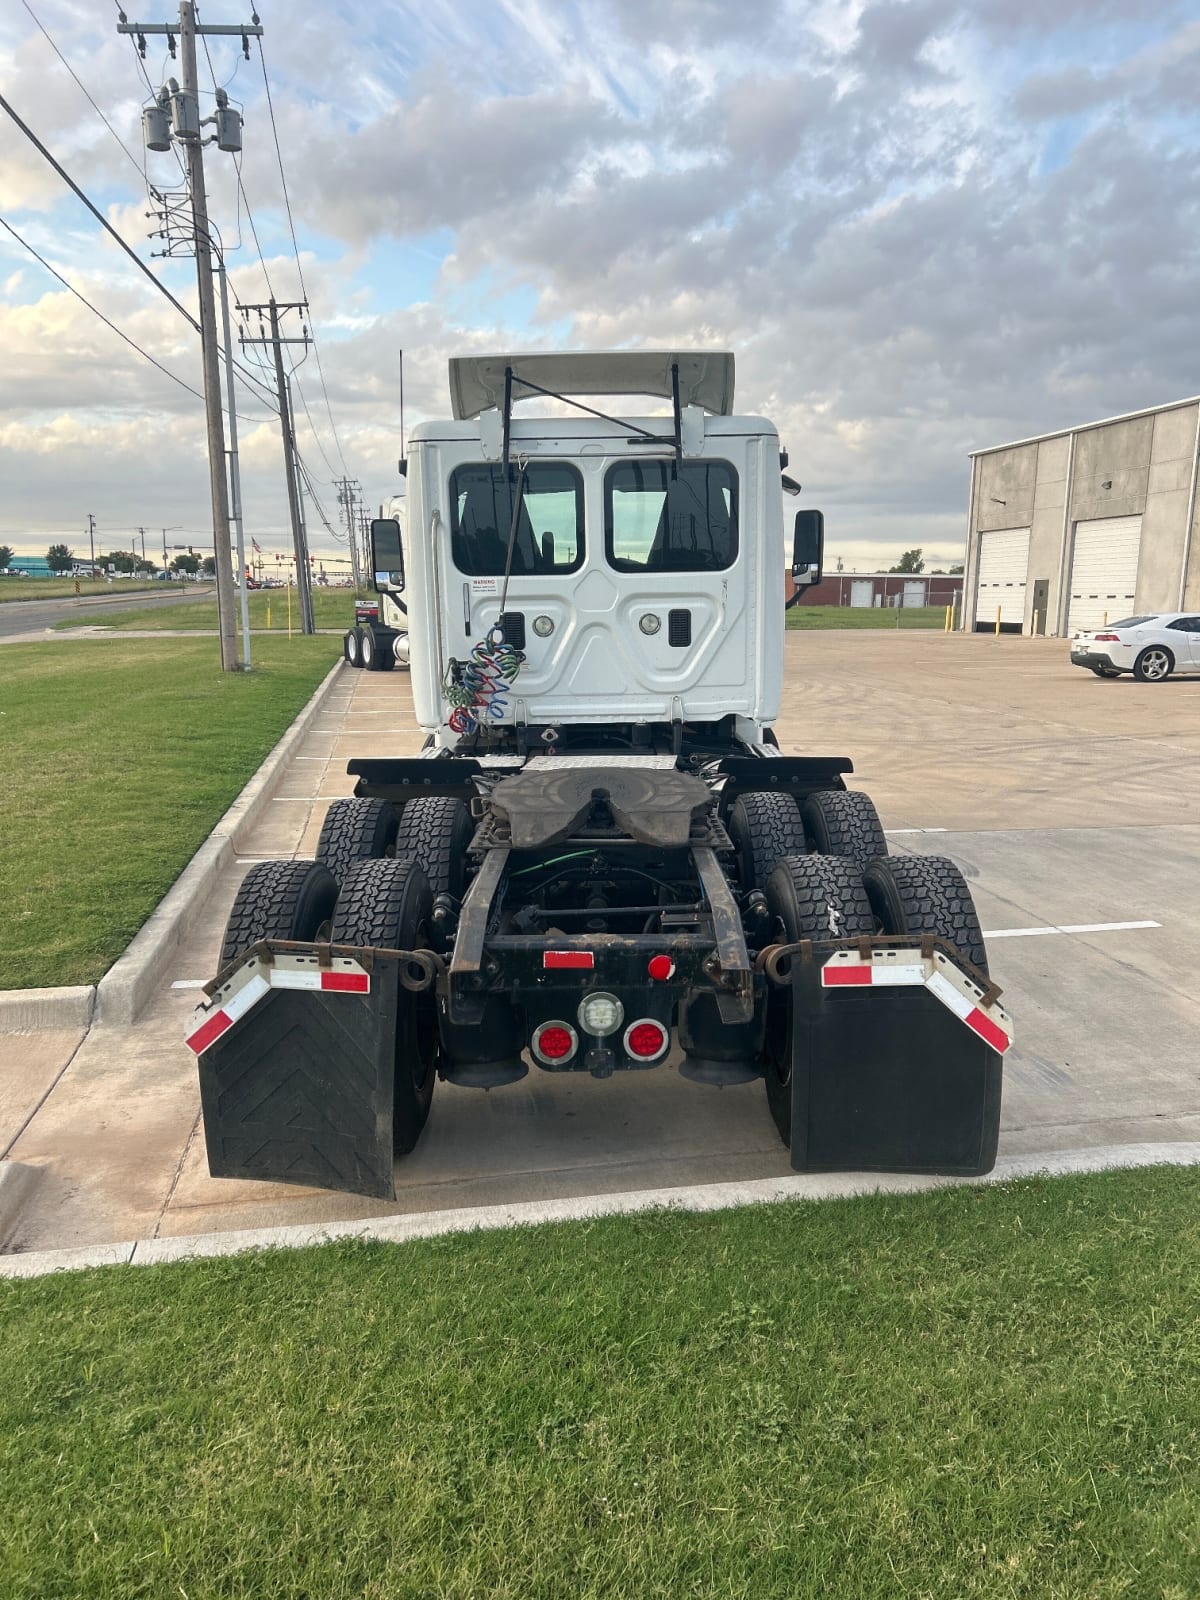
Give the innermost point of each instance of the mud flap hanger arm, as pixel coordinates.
(675, 439)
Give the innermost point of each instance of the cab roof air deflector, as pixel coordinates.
(705, 377)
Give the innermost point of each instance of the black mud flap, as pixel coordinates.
(888, 1080)
(300, 1090)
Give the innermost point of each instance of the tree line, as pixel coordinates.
(61, 558)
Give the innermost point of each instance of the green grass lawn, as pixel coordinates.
(12, 589)
(116, 759)
(866, 617)
(972, 1393)
(332, 608)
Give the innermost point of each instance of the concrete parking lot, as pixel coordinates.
(1070, 803)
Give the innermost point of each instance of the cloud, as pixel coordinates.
(876, 205)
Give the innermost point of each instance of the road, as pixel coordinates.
(22, 619)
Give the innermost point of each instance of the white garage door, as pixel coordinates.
(914, 592)
(862, 592)
(1003, 568)
(1104, 571)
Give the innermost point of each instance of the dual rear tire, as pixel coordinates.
(822, 897)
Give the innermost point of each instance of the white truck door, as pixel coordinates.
(629, 580)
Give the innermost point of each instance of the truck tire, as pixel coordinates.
(809, 897)
(926, 895)
(279, 900)
(844, 822)
(352, 647)
(356, 830)
(376, 657)
(386, 905)
(764, 827)
(437, 831)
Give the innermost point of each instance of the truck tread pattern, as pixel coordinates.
(386, 905)
(811, 897)
(278, 900)
(437, 830)
(927, 894)
(356, 829)
(764, 827)
(844, 822)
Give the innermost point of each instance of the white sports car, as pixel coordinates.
(1151, 647)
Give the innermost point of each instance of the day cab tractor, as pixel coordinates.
(378, 641)
(602, 860)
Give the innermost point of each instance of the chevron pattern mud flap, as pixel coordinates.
(890, 1078)
(299, 1089)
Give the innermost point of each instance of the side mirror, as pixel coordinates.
(387, 557)
(809, 548)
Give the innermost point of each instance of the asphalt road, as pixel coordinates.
(21, 619)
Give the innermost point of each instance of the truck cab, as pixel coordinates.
(636, 564)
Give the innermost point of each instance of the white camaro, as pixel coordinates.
(1151, 647)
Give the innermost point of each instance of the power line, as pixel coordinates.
(296, 248)
(139, 167)
(120, 334)
(99, 215)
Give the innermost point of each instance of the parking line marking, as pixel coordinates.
(916, 830)
(188, 983)
(1073, 927)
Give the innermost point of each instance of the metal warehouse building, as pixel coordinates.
(1085, 526)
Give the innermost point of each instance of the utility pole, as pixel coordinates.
(185, 123)
(235, 476)
(92, 540)
(345, 489)
(291, 472)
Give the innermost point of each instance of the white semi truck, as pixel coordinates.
(602, 860)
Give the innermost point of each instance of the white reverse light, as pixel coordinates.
(650, 623)
(543, 626)
(601, 1014)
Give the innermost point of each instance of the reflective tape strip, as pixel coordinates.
(988, 1031)
(584, 959)
(873, 975)
(212, 1030)
(314, 978)
(346, 982)
(939, 984)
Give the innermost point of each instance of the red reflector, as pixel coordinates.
(833, 976)
(209, 1031)
(554, 1041)
(645, 1039)
(346, 982)
(1107, 638)
(568, 958)
(988, 1031)
(660, 967)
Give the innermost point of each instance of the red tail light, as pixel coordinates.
(1107, 638)
(646, 1039)
(555, 1041)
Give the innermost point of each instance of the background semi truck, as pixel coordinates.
(602, 860)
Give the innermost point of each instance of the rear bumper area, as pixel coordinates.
(1097, 658)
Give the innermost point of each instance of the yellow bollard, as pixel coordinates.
(997, 622)
(268, 615)
(1105, 624)
(949, 614)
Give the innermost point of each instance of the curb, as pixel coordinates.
(40, 1010)
(128, 985)
(530, 1213)
(17, 1178)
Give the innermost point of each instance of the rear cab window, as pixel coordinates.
(549, 534)
(664, 516)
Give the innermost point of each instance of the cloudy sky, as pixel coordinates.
(922, 226)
